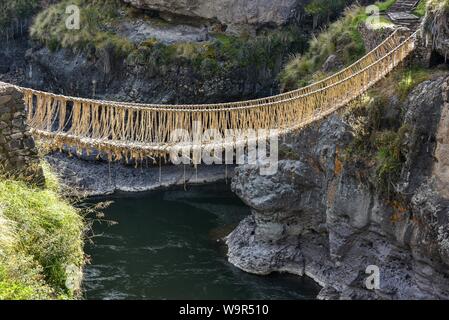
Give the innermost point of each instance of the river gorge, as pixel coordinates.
(361, 173)
(168, 245)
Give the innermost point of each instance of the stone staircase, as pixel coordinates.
(401, 13)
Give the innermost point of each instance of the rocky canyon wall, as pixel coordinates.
(321, 216)
(233, 12)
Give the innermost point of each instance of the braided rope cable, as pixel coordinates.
(129, 130)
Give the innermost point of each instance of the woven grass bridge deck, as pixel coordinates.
(138, 131)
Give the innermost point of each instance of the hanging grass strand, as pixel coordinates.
(134, 132)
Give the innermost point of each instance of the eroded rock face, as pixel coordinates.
(436, 28)
(320, 217)
(85, 175)
(441, 166)
(112, 79)
(234, 12)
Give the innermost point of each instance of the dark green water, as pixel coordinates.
(164, 247)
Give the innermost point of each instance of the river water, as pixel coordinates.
(163, 245)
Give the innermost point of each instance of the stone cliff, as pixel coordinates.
(229, 12)
(18, 154)
(322, 216)
(130, 54)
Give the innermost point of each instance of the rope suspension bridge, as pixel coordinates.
(141, 131)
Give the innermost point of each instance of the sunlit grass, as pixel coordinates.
(385, 5)
(41, 237)
(342, 36)
(410, 79)
(380, 23)
(221, 53)
(420, 10)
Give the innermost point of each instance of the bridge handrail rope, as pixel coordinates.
(390, 41)
(128, 130)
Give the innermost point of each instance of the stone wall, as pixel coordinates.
(18, 153)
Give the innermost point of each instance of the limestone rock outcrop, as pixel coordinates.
(320, 216)
(233, 12)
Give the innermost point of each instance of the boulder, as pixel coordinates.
(332, 63)
(233, 12)
(320, 216)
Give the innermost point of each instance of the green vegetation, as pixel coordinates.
(41, 242)
(385, 5)
(410, 79)
(50, 28)
(324, 9)
(379, 135)
(222, 54)
(378, 142)
(432, 5)
(341, 38)
(382, 21)
(420, 10)
(99, 20)
(14, 11)
(390, 157)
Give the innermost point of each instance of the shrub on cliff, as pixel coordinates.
(222, 53)
(377, 122)
(324, 9)
(41, 242)
(50, 27)
(420, 9)
(13, 13)
(341, 39)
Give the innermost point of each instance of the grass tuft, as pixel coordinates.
(410, 79)
(41, 242)
(222, 54)
(420, 10)
(13, 13)
(342, 38)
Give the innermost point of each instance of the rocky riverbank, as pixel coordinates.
(96, 178)
(322, 215)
